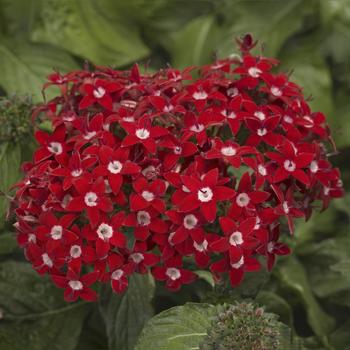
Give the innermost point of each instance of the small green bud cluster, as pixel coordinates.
(243, 326)
(15, 118)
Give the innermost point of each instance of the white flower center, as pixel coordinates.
(228, 151)
(168, 109)
(142, 134)
(257, 224)
(148, 196)
(105, 231)
(254, 72)
(197, 128)
(31, 238)
(47, 260)
(205, 194)
(89, 135)
(66, 199)
(115, 167)
(177, 150)
(285, 207)
(260, 115)
(238, 264)
(200, 95)
(76, 172)
(314, 166)
(137, 257)
(117, 274)
(270, 247)
(173, 273)
(190, 221)
(55, 148)
(75, 251)
(90, 199)
(231, 115)
(128, 119)
(201, 247)
(276, 91)
(236, 238)
(232, 92)
(171, 235)
(75, 285)
(289, 165)
(99, 92)
(143, 218)
(261, 132)
(242, 200)
(56, 232)
(262, 170)
(308, 119)
(185, 189)
(288, 119)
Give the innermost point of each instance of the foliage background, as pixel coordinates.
(310, 291)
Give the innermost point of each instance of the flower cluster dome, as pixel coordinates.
(169, 173)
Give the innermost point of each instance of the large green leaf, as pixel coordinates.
(195, 43)
(24, 66)
(80, 27)
(310, 71)
(126, 314)
(8, 243)
(321, 260)
(35, 317)
(19, 16)
(178, 328)
(292, 275)
(272, 22)
(10, 159)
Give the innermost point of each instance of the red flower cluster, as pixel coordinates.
(143, 170)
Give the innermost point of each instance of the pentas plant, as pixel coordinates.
(169, 174)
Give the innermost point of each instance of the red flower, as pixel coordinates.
(147, 195)
(237, 237)
(51, 145)
(113, 165)
(76, 286)
(92, 198)
(140, 169)
(107, 234)
(204, 194)
(246, 199)
(173, 273)
(99, 91)
(142, 133)
(291, 163)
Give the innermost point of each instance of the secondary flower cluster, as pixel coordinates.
(170, 174)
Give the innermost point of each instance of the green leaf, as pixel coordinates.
(292, 275)
(24, 66)
(276, 304)
(195, 43)
(126, 314)
(342, 267)
(36, 315)
(80, 27)
(178, 328)
(19, 16)
(271, 22)
(8, 243)
(10, 159)
(310, 71)
(340, 338)
(319, 257)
